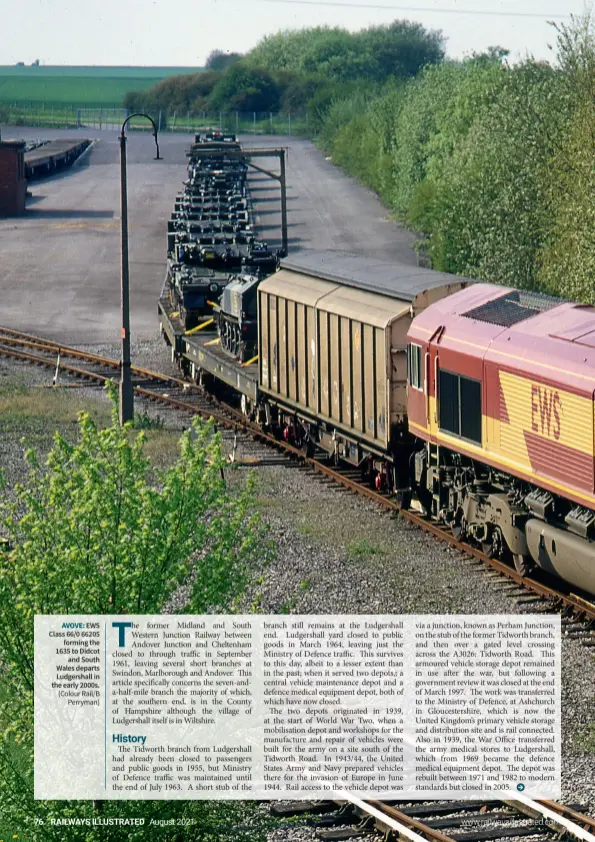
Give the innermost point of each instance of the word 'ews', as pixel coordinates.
(546, 410)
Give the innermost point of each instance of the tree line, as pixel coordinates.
(297, 70)
(493, 163)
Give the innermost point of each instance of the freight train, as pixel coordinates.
(210, 235)
(472, 401)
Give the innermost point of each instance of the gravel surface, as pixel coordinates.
(340, 554)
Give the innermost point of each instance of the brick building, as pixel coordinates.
(13, 186)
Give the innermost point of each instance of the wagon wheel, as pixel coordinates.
(523, 564)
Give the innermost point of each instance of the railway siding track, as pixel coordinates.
(182, 395)
(462, 821)
(351, 817)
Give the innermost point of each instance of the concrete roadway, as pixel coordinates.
(326, 208)
(60, 262)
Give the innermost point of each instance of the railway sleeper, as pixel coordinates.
(365, 826)
(337, 819)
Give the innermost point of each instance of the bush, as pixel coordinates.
(358, 132)
(566, 262)
(244, 88)
(96, 530)
(297, 90)
(491, 192)
(399, 49)
(176, 93)
(219, 60)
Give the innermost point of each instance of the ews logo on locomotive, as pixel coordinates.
(546, 409)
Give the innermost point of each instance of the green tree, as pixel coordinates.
(96, 530)
(219, 60)
(439, 108)
(335, 54)
(285, 50)
(378, 53)
(245, 88)
(297, 89)
(491, 192)
(401, 49)
(566, 263)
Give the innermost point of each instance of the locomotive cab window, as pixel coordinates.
(460, 406)
(414, 366)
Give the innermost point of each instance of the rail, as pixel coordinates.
(427, 822)
(13, 344)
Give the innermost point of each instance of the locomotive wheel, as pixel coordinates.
(403, 498)
(523, 564)
(494, 548)
(459, 528)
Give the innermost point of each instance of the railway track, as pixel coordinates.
(350, 817)
(578, 610)
(442, 821)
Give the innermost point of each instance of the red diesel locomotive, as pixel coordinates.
(475, 399)
(501, 387)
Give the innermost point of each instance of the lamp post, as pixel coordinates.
(126, 395)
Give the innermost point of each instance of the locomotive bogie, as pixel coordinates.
(507, 518)
(562, 553)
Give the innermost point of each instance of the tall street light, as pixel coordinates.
(126, 395)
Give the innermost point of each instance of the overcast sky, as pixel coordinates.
(182, 32)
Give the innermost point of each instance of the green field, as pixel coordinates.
(78, 86)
